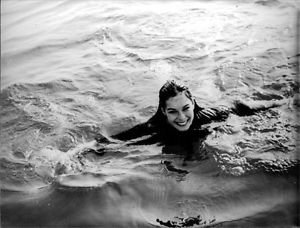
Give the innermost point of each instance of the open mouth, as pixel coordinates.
(182, 124)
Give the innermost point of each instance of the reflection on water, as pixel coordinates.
(71, 71)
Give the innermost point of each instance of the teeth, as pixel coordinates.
(182, 124)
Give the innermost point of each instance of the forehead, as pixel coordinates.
(178, 101)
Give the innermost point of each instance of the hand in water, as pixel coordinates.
(100, 139)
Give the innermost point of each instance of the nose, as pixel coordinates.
(181, 116)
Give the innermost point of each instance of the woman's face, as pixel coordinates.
(179, 111)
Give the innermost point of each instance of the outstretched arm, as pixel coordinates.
(206, 116)
(149, 140)
(135, 132)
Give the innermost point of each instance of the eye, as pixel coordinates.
(186, 108)
(172, 111)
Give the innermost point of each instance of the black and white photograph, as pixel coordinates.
(150, 113)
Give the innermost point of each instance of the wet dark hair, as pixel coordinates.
(171, 89)
(168, 90)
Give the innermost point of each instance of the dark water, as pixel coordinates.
(71, 70)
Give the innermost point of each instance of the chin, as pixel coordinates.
(182, 129)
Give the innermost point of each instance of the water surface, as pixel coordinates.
(71, 70)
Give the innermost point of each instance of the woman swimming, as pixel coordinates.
(179, 119)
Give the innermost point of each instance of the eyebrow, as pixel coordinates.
(173, 109)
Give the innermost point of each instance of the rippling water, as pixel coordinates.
(71, 70)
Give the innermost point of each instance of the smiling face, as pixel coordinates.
(179, 111)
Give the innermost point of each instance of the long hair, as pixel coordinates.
(168, 90)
